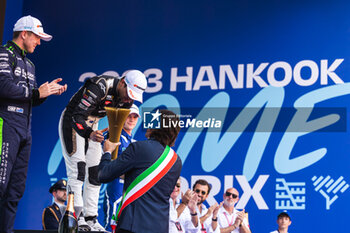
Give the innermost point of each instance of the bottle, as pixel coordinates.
(69, 223)
(246, 216)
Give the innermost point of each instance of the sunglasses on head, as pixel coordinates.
(231, 194)
(177, 185)
(198, 191)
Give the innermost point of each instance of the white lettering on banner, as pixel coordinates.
(329, 71)
(228, 182)
(283, 163)
(174, 79)
(247, 191)
(86, 75)
(220, 143)
(297, 73)
(236, 83)
(287, 74)
(252, 192)
(271, 97)
(290, 195)
(111, 73)
(154, 83)
(255, 75)
(92, 74)
(211, 78)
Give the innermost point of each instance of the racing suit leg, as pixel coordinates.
(15, 153)
(92, 184)
(75, 163)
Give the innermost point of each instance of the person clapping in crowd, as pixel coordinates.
(202, 189)
(228, 217)
(183, 216)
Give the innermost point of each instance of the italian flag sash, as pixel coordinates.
(147, 179)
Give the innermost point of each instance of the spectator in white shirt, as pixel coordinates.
(229, 218)
(183, 217)
(202, 189)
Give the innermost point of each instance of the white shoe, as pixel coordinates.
(95, 225)
(82, 225)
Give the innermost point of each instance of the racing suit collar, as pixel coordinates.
(125, 134)
(18, 49)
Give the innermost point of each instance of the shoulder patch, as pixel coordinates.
(101, 82)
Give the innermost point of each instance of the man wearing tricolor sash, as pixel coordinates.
(151, 170)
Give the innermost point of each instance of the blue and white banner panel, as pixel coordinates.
(262, 89)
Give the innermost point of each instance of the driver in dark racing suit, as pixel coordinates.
(80, 137)
(19, 92)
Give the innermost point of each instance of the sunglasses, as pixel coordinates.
(198, 191)
(231, 194)
(177, 185)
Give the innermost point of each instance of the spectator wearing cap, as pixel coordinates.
(114, 190)
(18, 93)
(81, 139)
(283, 221)
(52, 215)
(228, 218)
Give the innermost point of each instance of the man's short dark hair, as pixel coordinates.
(15, 35)
(202, 182)
(283, 214)
(166, 136)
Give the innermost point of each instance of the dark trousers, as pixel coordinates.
(15, 153)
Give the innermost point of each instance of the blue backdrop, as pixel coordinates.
(253, 55)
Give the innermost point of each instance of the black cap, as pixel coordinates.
(283, 214)
(61, 184)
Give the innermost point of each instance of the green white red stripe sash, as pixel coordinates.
(147, 179)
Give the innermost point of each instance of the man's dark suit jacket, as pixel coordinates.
(149, 213)
(51, 217)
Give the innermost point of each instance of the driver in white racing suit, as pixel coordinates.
(80, 137)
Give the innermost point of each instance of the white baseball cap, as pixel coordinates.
(134, 109)
(136, 84)
(29, 23)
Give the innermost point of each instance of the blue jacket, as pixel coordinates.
(114, 190)
(18, 87)
(51, 217)
(150, 212)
